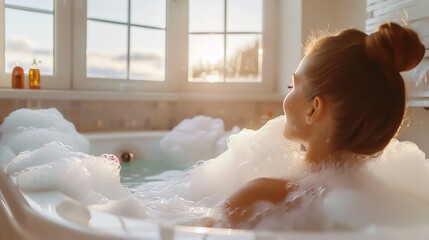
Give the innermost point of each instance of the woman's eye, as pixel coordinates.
(290, 87)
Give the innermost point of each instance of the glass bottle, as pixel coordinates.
(17, 76)
(34, 76)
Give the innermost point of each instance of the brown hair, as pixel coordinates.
(358, 75)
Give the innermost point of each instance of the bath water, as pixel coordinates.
(139, 171)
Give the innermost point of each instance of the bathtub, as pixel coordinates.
(39, 216)
(32, 216)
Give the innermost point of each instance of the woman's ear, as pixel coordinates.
(316, 110)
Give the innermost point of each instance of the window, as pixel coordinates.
(136, 33)
(37, 30)
(143, 45)
(225, 40)
(24, 41)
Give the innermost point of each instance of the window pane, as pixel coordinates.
(206, 58)
(148, 12)
(244, 15)
(206, 15)
(244, 58)
(39, 4)
(113, 10)
(106, 55)
(147, 61)
(29, 36)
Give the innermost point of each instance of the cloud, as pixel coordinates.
(147, 65)
(24, 45)
(142, 54)
(20, 44)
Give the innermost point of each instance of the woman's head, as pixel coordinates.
(358, 78)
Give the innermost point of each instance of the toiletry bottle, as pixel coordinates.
(17, 76)
(34, 76)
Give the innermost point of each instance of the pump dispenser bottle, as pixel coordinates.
(34, 76)
(17, 76)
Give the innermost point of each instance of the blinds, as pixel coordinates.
(400, 11)
(414, 14)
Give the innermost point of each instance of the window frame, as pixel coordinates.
(269, 78)
(82, 82)
(70, 50)
(61, 78)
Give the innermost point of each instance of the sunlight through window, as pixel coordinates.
(225, 40)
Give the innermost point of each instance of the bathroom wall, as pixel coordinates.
(98, 116)
(299, 18)
(415, 128)
(332, 15)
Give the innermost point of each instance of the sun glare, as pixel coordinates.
(212, 52)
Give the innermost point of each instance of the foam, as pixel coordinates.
(41, 118)
(388, 192)
(46, 153)
(199, 138)
(26, 129)
(251, 154)
(404, 166)
(80, 176)
(129, 206)
(50, 152)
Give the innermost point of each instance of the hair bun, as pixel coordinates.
(393, 45)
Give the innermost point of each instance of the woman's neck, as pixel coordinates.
(322, 157)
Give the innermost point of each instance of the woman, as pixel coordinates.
(347, 100)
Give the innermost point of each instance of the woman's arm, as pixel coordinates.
(239, 207)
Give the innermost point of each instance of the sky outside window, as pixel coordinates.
(36, 4)
(125, 44)
(29, 35)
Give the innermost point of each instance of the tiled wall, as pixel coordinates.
(99, 116)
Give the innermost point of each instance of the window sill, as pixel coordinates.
(43, 94)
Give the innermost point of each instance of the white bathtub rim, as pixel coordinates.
(107, 136)
(69, 230)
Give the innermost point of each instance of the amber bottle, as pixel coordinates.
(34, 76)
(17, 76)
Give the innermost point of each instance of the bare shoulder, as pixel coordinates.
(262, 189)
(238, 207)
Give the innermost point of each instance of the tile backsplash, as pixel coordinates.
(105, 116)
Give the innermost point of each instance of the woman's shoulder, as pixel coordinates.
(239, 206)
